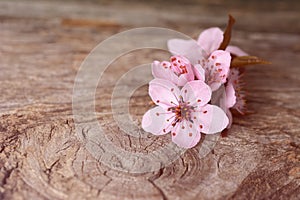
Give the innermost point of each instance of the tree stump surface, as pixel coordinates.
(43, 43)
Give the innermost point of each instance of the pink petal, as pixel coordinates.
(163, 92)
(217, 68)
(187, 48)
(155, 121)
(210, 39)
(230, 96)
(222, 102)
(185, 134)
(210, 119)
(199, 72)
(183, 79)
(236, 51)
(160, 71)
(196, 93)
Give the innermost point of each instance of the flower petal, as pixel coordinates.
(161, 70)
(217, 68)
(199, 72)
(210, 119)
(155, 121)
(210, 39)
(196, 93)
(163, 92)
(185, 134)
(236, 51)
(230, 96)
(187, 48)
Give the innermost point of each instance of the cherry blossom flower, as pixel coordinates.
(184, 113)
(178, 70)
(235, 80)
(203, 54)
(233, 96)
(216, 68)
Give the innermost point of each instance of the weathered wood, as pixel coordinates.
(41, 47)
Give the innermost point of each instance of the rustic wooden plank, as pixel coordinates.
(40, 54)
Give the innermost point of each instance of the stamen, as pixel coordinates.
(170, 118)
(173, 103)
(173, 59)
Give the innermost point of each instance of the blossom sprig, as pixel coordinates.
(198, 73)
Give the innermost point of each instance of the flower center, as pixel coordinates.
(178, 66)
(182, 112)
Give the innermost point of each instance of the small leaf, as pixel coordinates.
(227, 33)
(242, 61)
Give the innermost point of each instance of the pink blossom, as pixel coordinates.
(178, 70)
(204, 55)
(234, 96)
(184, 113)
(216, 68)
(235, 80)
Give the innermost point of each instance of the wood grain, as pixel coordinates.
(40, 54)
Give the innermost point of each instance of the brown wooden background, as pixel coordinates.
(42, 44)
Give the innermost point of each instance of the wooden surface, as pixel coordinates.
(42, 44)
